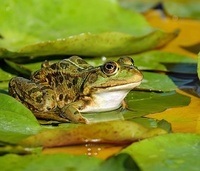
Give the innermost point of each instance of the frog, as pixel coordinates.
(63, 91)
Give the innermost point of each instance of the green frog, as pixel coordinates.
(62, 91)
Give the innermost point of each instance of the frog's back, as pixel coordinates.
(64, 77)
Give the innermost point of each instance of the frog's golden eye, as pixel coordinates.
(110, 68)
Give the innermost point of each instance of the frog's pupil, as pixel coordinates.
(109, 66)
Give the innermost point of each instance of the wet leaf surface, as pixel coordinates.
(167, 152)
(63, 19)
(52, 162)
(157, 82)
(173, 8)
(153, 102)
(87, 44)
(186, 8)
(166, 61)
(114, 132)
(17, 122)
(139, 5)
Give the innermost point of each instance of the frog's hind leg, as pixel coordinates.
(40, 102)
(25, 91)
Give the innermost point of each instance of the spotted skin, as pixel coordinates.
(59, 91)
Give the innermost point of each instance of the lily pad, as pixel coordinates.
(17, 122)
(183, 8)
(3, 85)
(114, 132)
(19, 68)
(139, 5)
(87, 44)
(48, 21)
(143, 103)
(157, 82)
(167, 152)
(5, 76)
(165, 61)
(50, 162)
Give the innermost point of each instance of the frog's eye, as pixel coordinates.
(110, 68)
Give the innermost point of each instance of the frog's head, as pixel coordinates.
(108, 84)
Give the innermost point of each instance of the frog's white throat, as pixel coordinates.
(109, 98)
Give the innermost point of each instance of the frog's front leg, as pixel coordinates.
(72, 113)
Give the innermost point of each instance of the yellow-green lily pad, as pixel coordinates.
(174, 152)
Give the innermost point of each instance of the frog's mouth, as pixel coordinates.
(119, 87)
(110, 98)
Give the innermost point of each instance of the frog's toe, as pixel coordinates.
(83, 120)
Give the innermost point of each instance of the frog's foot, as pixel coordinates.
(50, 116)
(71, 113)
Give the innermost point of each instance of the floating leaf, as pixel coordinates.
(139, 5)
(167, 152)
(115, 132)
(5, 76)
(143, 103)
(120, 162)
(16, 149)
(87, 44)
(152, 123)
(62, 19)
(157, 82)
(17, 122)
(183, 8)
(3, 85)
(165, 61)
(18, 68)
(50, 162)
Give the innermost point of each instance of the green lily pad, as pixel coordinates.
(5, 76)
(139, 5)
(143, 103)
(19, 68)
(174, 152)
(157, 82)
(50, 162)
(165, 61)
(153, 123)
(120, 162)
(17, 122)
(48, 21)
(3, 85)
(183, 8)
(87, 44)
